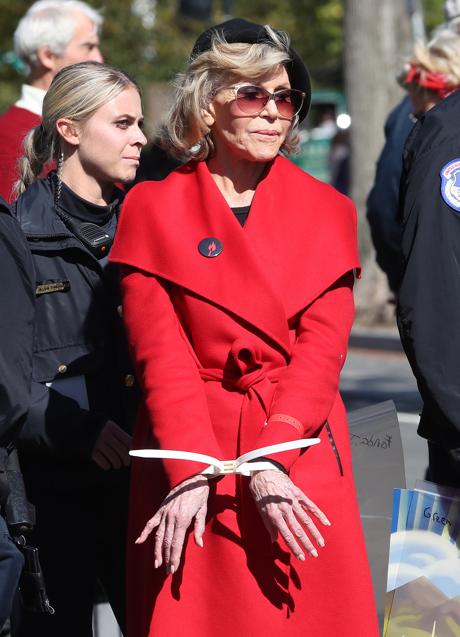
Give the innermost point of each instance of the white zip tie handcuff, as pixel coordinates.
(241, 465)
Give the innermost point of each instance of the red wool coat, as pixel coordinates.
(220, 345)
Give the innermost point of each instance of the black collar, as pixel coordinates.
(80, 208)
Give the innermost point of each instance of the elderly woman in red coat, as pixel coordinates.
(238, 276)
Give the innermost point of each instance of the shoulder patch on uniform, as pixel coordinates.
(450, 184)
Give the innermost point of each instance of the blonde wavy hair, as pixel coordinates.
(184, 133)
(441, 55)
(76, 93)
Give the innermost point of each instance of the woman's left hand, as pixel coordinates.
(187, 501)
(285, 509)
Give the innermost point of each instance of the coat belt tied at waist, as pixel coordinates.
(255, 380)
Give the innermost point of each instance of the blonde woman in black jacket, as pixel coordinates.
(76, 439)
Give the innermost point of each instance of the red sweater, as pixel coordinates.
(14, 124)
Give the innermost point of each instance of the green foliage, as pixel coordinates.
(157, 53)
(433, 14)
(315, 27)
(10, 79)
(126, 42)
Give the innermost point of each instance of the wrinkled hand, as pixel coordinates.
(284, 509)
(187, 501)
(111, 449)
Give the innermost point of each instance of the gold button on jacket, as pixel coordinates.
(129, 380)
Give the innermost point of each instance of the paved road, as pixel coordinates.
(371, 376)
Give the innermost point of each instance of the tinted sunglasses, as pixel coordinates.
(252, 99)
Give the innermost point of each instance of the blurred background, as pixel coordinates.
(353, 50)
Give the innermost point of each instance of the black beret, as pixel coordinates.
(239, 30)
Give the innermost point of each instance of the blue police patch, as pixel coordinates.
(450, 184)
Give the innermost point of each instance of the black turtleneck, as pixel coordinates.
(85, 211)
(241, 213)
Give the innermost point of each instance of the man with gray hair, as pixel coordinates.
(51, 35)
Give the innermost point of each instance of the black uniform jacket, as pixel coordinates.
(429, 298)
(78, 331)
(17, 303)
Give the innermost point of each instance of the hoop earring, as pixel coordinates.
(60, 166)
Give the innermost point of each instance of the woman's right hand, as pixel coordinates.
(188, 501)
(285, 509)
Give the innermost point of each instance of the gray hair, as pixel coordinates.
(184, 133)
(76, 93)
(51, 24)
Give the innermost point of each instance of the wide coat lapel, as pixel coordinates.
(175, 218)
(304, 233)
(300, 237)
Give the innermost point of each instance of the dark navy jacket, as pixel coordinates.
(382, 202)
(78, 331)
(17, 302)
(429, 298)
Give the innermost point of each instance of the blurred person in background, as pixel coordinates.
(382, 202)
(433, 72)
(428, 309)
(74, 443)
(339, 161)
(51, 35)
(237, 286)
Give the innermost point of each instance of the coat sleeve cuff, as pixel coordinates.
(179, 470)
(274, 432)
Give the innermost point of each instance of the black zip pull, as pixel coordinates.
(334, 447)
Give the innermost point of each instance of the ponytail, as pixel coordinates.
(38, 150)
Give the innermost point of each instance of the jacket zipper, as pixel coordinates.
(334, 447)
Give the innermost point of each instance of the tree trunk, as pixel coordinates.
(377, 37)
